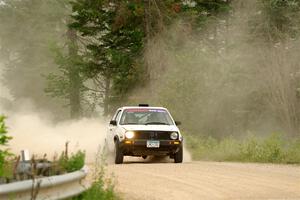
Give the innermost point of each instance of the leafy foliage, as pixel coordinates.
(113, 39)
(4, 139)
(73, 163)
(115, 35)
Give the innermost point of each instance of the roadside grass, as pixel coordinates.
(102, 186)
(101, 189)
(272, 149)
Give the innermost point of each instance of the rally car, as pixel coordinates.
(144, 131)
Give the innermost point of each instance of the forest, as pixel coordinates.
(222, 67)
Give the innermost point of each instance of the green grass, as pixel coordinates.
(103, 186)
(272, 149)
(101, 189)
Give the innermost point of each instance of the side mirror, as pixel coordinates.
(178, 123)
(113, 122)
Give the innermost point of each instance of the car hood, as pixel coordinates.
(150, 128)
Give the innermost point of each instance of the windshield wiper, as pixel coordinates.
(158, 123)
(130, 123)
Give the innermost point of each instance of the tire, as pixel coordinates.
(118, 153)
(144, 157)
(178, 156)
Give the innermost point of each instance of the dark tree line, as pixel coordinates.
(113, 36)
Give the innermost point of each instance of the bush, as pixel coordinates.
(4, 139)
(73, 163)
(272, 149)
(293, 153)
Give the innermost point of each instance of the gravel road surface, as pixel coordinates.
(148, 180)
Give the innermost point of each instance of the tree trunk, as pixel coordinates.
(106, 96)
(74, 78)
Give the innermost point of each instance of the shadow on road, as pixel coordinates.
(148, 160)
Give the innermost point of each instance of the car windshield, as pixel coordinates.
(146, 117)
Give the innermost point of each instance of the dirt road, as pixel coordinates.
(206, 180)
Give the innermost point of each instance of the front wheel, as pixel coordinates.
(178, 156)
(118, 153)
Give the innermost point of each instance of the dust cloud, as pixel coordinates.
(225, 79)
(39, 134)
(187, 157)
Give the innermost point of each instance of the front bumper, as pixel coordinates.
(139, 147)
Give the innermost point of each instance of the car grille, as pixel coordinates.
(152, 135)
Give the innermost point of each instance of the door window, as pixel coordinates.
(117, 116)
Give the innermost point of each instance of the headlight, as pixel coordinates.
(174, 136)
(129, 134)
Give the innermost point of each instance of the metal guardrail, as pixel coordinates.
(51, 188)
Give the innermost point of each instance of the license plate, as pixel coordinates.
(152, 144)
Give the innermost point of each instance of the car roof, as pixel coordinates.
(142, 107)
